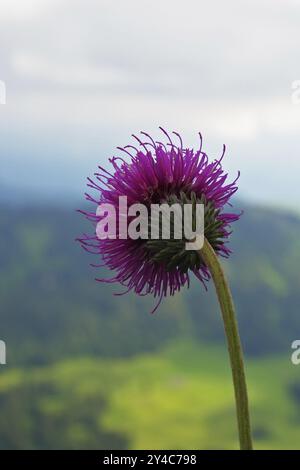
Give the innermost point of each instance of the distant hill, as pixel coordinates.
(51, 307)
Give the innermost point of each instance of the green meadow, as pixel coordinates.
(177, 398)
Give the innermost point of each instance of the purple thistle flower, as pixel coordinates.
(153, 173)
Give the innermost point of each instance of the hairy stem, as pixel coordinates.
(233, 342)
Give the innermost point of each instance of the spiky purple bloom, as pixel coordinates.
(152, 173)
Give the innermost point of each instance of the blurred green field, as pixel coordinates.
(178, 398)
(86, 369)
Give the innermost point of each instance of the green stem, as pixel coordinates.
(234, 344)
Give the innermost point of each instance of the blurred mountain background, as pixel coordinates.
(88, 369)
(85, 368)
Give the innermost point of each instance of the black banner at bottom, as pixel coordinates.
(133, 458)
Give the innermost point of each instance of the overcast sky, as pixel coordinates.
(82, 75)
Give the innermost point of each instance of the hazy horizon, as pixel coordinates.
(77, 87)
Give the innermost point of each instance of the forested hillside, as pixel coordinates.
(51, 307)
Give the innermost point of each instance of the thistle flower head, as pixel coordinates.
(153, 172)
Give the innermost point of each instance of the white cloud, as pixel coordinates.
(39, 68)
(224, 68)
(22, 10)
